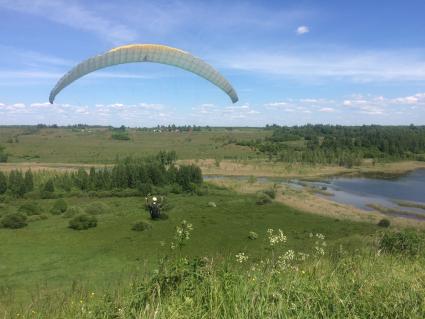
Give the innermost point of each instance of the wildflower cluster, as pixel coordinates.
(182, 234)
(284, 261)
(241, 258)
(319, 244)
(275, 239)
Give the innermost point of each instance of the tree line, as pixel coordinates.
(128, 173)
(341, 145)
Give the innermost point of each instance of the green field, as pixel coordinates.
(48, 270)
(95, 145)
(48, 254)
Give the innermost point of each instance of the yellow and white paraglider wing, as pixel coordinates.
(146, 53)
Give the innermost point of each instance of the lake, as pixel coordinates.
(363, 191)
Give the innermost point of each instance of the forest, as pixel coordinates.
(341, 145)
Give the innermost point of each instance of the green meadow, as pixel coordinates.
(243, 255)
(95, 145)
(48, 254)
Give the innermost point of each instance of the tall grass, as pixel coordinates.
(285, 284)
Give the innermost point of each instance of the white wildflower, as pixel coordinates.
(241, 257)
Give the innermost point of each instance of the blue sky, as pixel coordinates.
(291, 62)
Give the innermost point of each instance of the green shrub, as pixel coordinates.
(262, 198)
(270, 192)
(82, 222)
(406, 242)
(73, 211)
(144, 188)
(252, 235)
(384, 223)
(97, 208)
(188, 177)
(14, 221)
(121, 136)
(59, 206)
(141, 226)
(30, 209)
(176, 189)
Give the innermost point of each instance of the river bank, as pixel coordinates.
(304, 171)
(304, 199)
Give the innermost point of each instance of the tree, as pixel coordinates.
(49, 187)
(82, 179)
(16, 183)
(3, 183)
(3, 155)
(29, 181)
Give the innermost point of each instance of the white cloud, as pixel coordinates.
(329, 64)
(303, 30)
(326, 109)
(63, 114)
(356, 104)
(350, 110)
(214, 112)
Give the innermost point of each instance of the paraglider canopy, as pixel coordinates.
(146, 53)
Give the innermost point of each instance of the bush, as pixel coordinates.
(121, 136)
(270, 192)
(97, 208)
(262, 198)
(252, 235)
(141, 226)
(144, 188)
(73, 211)
(406, 242)
(83, 221)
(59, 207)
(384, 223)
(14, 221)
(188, 177)
(176, 189)
(30, 209)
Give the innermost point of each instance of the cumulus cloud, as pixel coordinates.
(302, 30)
(361, 104)
(213, 112)
(139, 114)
